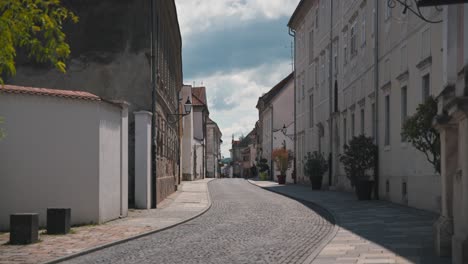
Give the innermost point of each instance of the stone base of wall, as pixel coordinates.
(165, 186)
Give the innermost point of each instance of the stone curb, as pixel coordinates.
(327, 239)
(97, 248)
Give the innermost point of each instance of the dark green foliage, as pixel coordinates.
(263, 165)
(418, 130)
(359, 158)
(315, 165)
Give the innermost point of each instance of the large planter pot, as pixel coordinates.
(364, 189)
(281, 179)
(316, 182)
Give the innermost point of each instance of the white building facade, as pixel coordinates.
(363, 68)
(276, 110)
(213, 149)
(451, 230)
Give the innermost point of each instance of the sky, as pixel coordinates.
(238, 50)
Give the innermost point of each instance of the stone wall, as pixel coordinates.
(110, 57)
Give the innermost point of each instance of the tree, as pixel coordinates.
(418, 130)
(35, 26)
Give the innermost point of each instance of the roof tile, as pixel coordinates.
(13, 89)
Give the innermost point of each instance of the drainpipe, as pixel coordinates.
(376, 94)
(154, 35)
(330, 94)
(271, 143)
(292, 33)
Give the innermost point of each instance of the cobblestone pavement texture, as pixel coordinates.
(244, 225)
(191, 200)
(369, 231)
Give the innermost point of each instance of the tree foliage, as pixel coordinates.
(359, 158)
(315, 165)
(35, 26)
(418, 130)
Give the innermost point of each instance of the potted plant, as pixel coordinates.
(282, 159)
(263, 169)
(359, 164)
(315, 166)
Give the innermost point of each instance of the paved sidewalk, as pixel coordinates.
(369, 231)
(191, 200)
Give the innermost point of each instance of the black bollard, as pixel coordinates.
(58, 221)
(24, 229)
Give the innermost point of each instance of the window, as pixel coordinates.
(362, 121)
(404, 108)
(303, 85)
(316, 17)
(353, 40)
(311, 111)
(388, 12)
(352, 125)
(345, 131)
(363, 30)
(373, 22)
(387, 71)
(311, 47)
(373, 121)
(316, 74)
(426, 87)
(387, 120)
(345, 47)
(322, 68)
(425, 44)
(404, 59)
(335, 57)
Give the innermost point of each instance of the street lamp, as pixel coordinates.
(187, 110)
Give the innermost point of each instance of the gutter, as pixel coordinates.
(376, 94)
(292, 33)
(272, 169)
(330, 101)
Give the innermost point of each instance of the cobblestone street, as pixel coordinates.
(244, 225)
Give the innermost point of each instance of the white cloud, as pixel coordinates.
(241, 90)
(196, 16)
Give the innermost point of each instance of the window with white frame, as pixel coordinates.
(303, 85)
(316, 74)
(353, 40)
(335, 56)
(425, 44)
(311, 47)
(363, 121)
(373, 113)
(404, 59)
(317, 18)
(345, 131)
(345, 47)
(322, 68)
(404, 108)
(311, 111)
(388, 12)
(387, 120)
(363, 30)
(373, 22)
(426, 87)
(387, 70)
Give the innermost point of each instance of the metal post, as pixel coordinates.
(153, 103)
